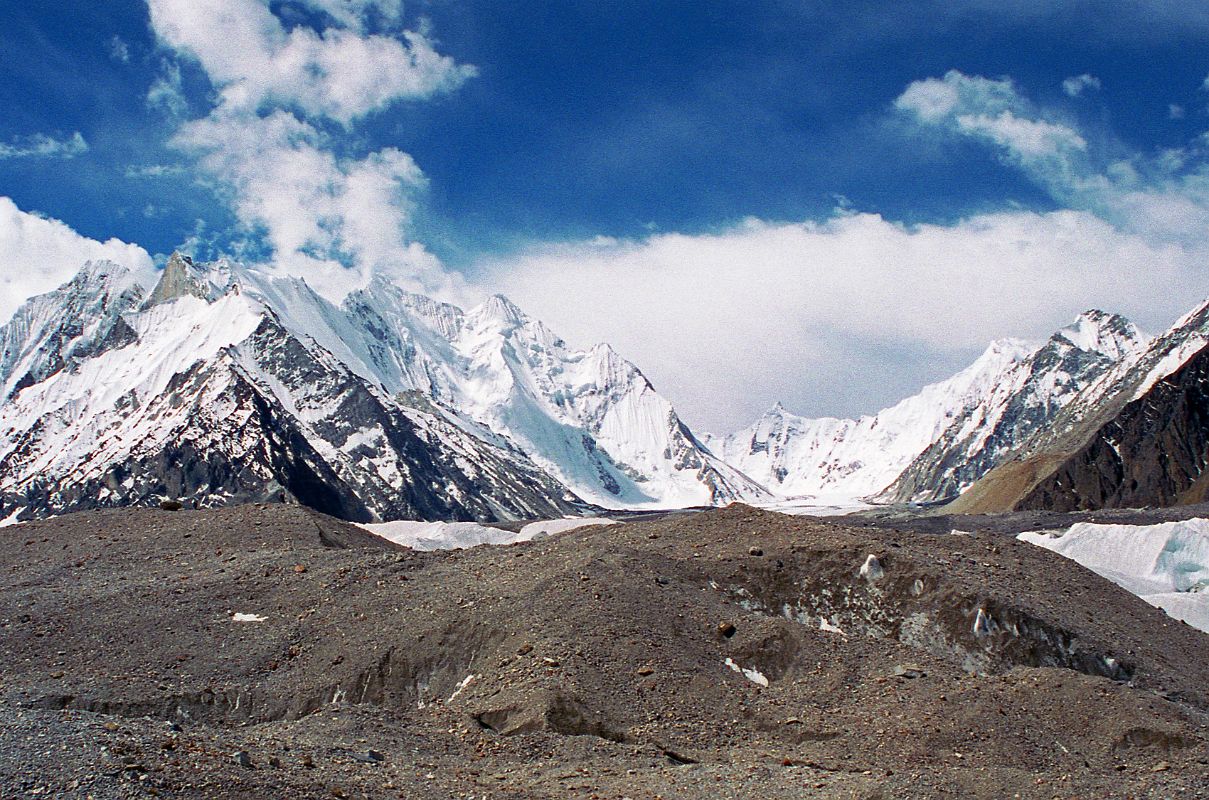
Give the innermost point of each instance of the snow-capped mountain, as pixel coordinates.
(1132, 436)
(855, 458)
(1023, 401)
(934, 444)
(59, 329)
(589, 418)
(225, 383)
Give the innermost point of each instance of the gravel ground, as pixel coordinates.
(731, 653)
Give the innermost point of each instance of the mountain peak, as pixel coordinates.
(1097, 331)
(177, 280)
(100, 269)
(181, 277)
(499, 308)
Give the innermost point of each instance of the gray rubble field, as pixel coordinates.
(269, 651)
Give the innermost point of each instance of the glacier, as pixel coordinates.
(1167, 564)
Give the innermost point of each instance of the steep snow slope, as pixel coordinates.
(1025, 400)
(845, 458)
(590, 418)
(212, 399)
(59, 329)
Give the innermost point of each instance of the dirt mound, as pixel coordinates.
(268, 650)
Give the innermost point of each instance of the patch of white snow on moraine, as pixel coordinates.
(1167, 564)
(872, 570)
(469, 679)
(11, 519)
(458, 535)
(826, 625)
(240, 616)
(553, 526)
(753, 675)
(439, 535)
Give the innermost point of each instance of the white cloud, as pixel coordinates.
(931, 99)
(1076, 85)
(842, 316)
(339, 73)
(1156, 196)
(334, 221)
(991, 110)
(154, 171)
(1175, 111)
(330, 217)
(119, 50)
(1027, 138)
(42, 146)
(166, 93)
(352, 13)
(39, 253)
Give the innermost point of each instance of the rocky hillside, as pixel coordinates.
(1154, 453)
(265, 651)
(1139, 405)
(1026, 399)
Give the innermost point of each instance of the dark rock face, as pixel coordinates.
(1153, 453)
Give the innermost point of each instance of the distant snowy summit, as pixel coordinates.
(224, 383)
(1100, 415)
(934, 445)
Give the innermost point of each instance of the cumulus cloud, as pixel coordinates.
(340, 72)
(42, 146)
(1077, 84)
(1153, 195)
(841, 316)
(38, 253)
(269, 140)
(1027, 138)
(991, 109)
(332, 220)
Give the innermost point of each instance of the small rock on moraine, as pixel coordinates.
(909, 671)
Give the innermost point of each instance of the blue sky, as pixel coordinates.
(693, 181)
